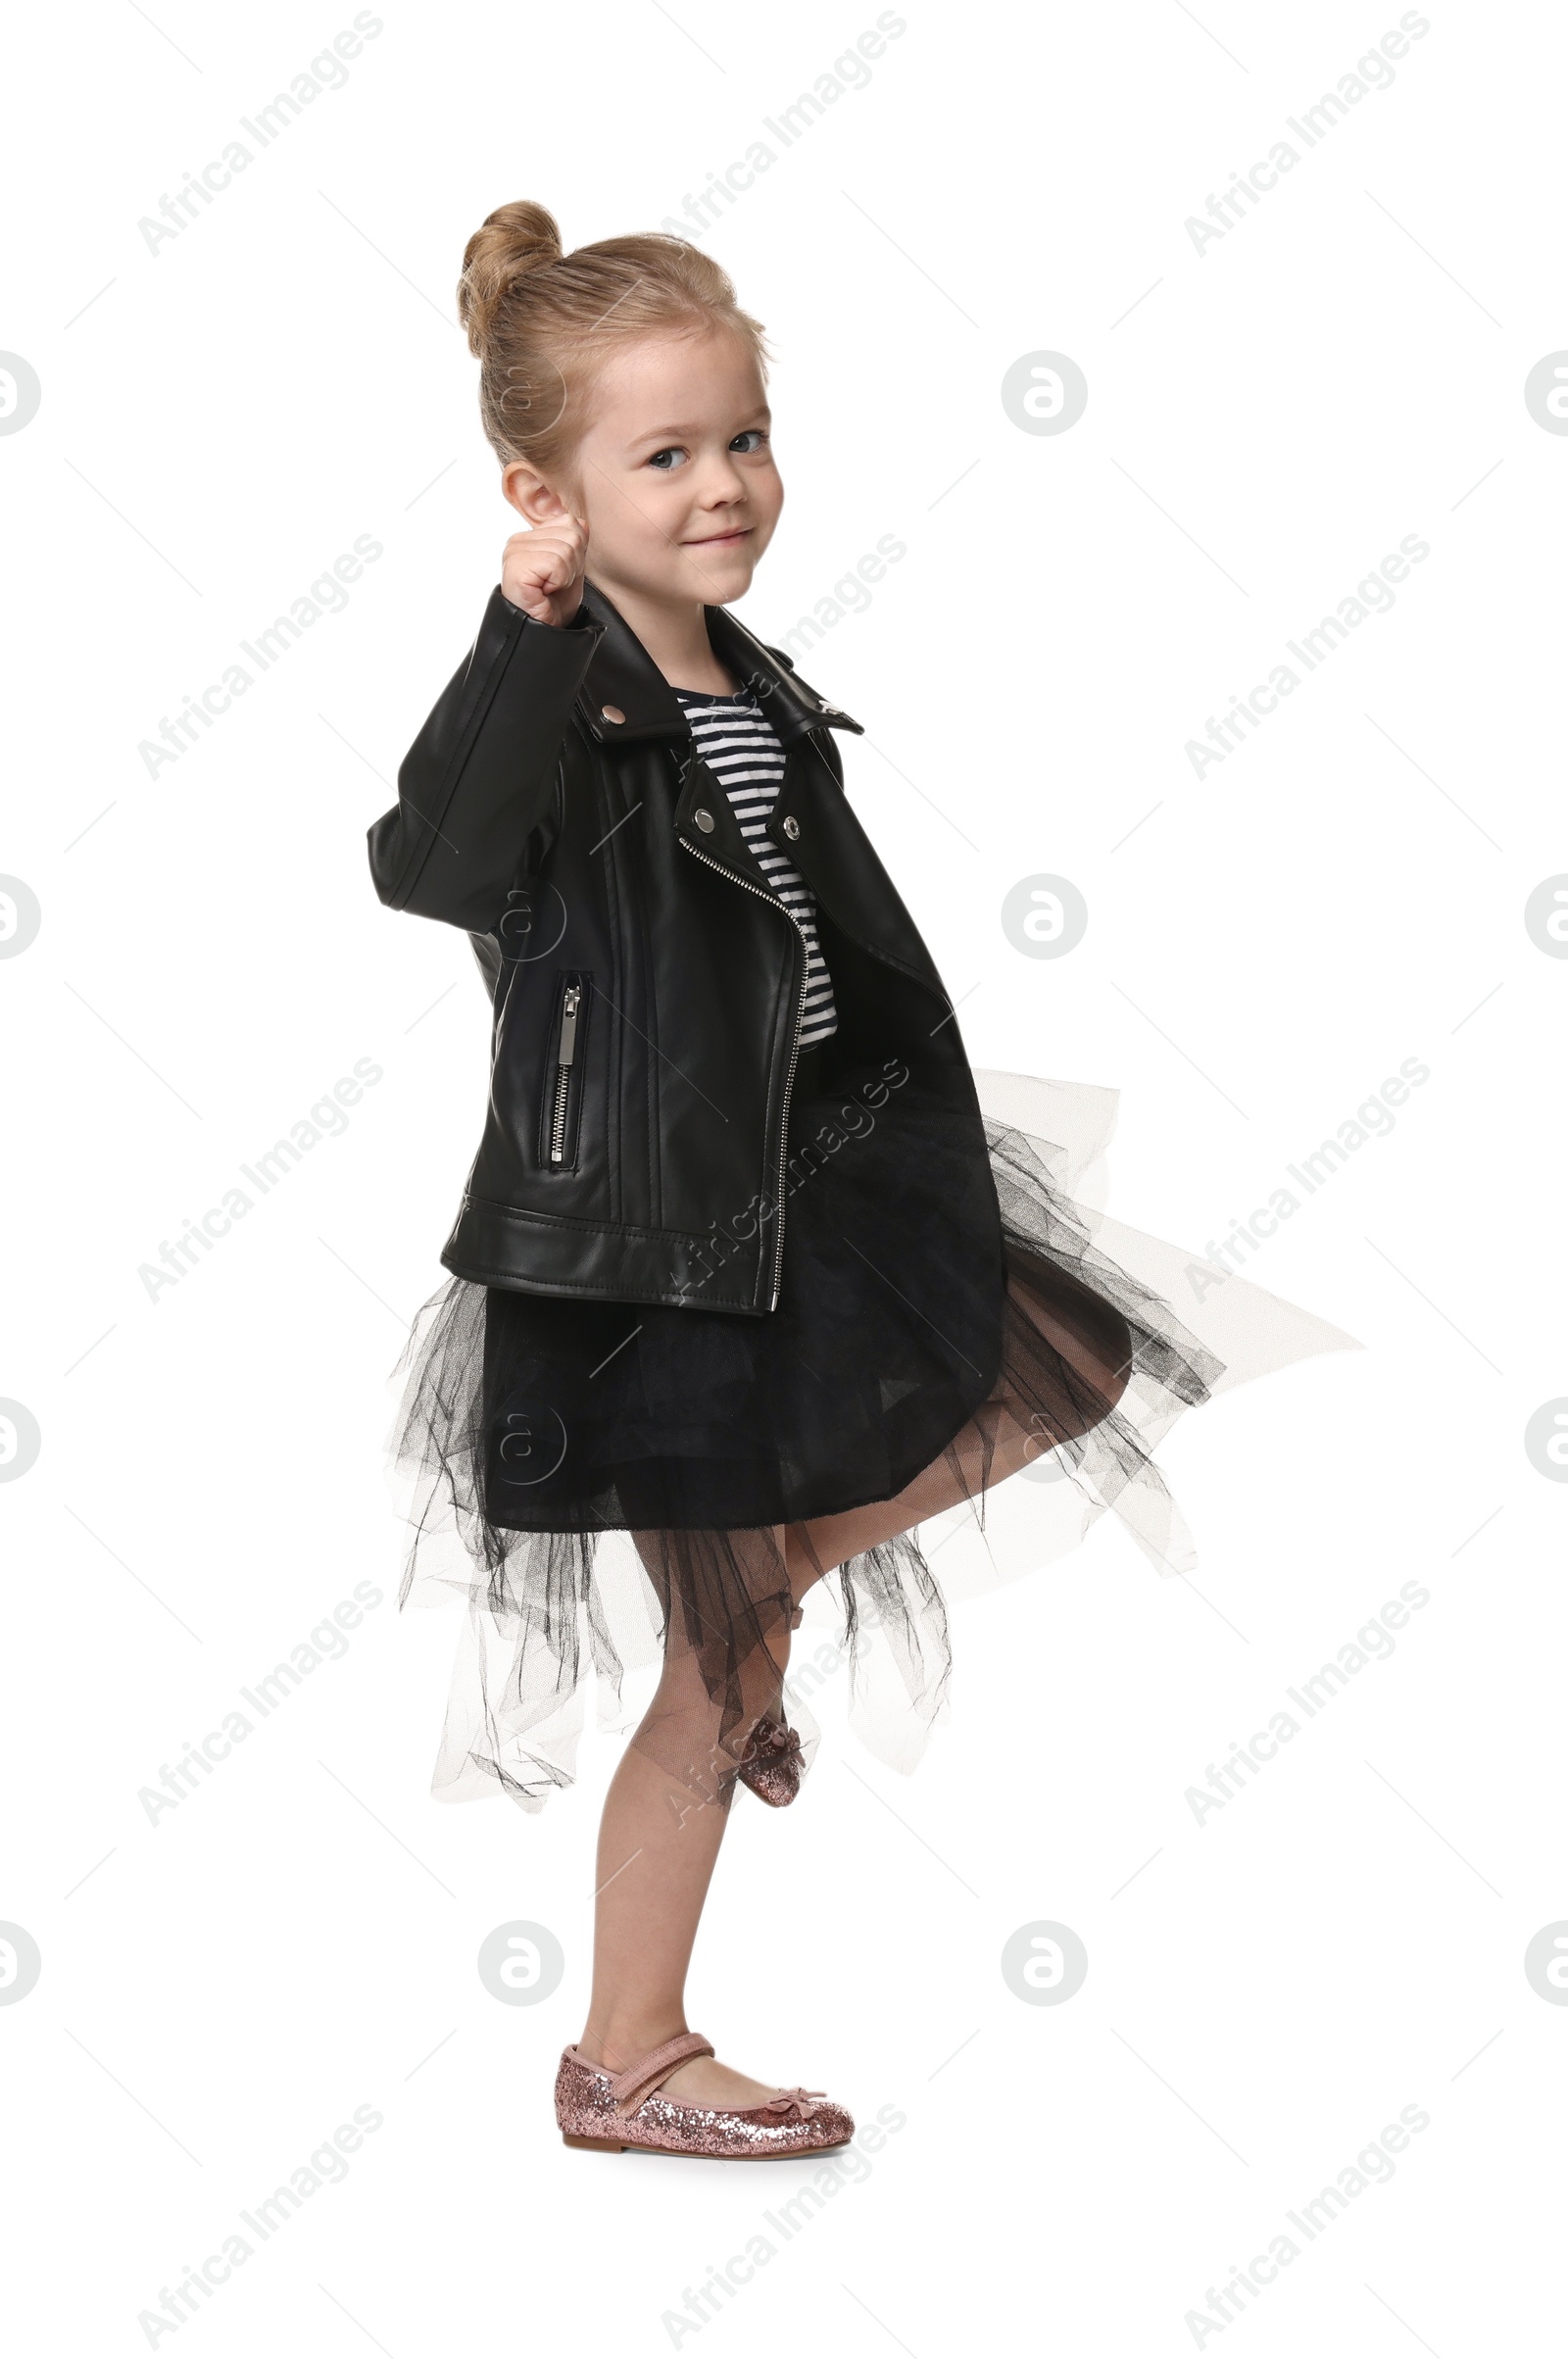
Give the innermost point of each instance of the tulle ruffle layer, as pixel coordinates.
(592, 1512)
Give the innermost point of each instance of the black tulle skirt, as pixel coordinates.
(887, 1335)
(602, 1480)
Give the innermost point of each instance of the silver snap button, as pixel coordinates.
(705, 820)
(612, 713)
(792, 828)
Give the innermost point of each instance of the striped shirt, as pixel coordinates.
(734, 738)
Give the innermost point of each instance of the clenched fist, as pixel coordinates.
(542, 571)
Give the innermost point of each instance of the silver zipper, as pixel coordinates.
(565, 1054)
(770, 894)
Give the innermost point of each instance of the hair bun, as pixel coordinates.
(516, 241)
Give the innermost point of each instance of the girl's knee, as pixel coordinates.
(749, 1664)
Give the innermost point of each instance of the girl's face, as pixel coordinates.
(674, 477)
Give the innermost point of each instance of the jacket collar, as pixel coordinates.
(622, 678)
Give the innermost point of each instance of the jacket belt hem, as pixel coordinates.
(540, 1253)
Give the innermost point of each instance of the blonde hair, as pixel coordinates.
(541, 322)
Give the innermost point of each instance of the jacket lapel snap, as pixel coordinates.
(626, 698)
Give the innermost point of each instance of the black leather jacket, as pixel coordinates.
(646, 980)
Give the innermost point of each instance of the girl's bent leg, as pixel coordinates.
(669, 1802)
(1086, 1374)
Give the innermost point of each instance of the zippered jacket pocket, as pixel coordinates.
(561, 1099)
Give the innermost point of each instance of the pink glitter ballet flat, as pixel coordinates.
(771, 1766)
(612, 2111)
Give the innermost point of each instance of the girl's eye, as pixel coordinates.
(667, 461)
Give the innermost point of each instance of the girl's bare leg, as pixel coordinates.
(669, 1801)
(1002, 1437)
(664, 1821)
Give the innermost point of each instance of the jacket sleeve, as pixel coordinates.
(487, 950)
(480, 776)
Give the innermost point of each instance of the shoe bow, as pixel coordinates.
(794, 2105)
(776, 1735)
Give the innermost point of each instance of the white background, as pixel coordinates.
(1266, 419)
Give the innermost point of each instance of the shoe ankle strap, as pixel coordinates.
(650, 2072)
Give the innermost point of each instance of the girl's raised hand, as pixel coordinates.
(542, 571)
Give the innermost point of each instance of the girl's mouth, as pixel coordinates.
(721, 540)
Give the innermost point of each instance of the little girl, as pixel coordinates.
(745, 1287)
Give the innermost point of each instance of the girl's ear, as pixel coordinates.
(530, 495)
